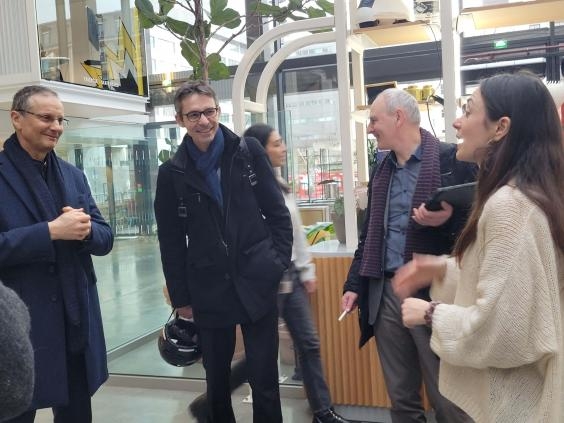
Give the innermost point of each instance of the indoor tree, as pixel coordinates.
(201, 25)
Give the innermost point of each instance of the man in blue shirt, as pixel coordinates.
(415, 167)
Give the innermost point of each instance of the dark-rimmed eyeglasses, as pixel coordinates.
(47, 118)
(195, 115)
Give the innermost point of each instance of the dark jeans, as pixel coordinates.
(261, 348)
(79, 408)
(295, 310)
(406, 358)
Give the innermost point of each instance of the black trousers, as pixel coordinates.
(79, 409)
(261, 349)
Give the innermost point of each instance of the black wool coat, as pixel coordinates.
(28, 266)
(224, 262)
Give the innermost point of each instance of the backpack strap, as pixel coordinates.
(182, 209)
(248, 158)
(177, 181)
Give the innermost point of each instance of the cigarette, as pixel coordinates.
(342, 316)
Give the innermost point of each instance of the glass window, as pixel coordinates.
(96, 43)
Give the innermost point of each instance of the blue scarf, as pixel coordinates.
(208, 162)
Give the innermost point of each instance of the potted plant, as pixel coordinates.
(338, 218)
(338, 213)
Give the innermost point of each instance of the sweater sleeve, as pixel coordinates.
(512, 321)
(444, 290)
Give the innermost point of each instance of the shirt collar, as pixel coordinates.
(416, 155)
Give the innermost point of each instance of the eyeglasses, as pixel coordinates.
(47, 118)
(195, 115)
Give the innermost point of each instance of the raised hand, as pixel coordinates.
(417, 274)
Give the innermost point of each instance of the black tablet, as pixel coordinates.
(456, 195)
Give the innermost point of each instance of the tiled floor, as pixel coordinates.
(118, 404)
(141, 405)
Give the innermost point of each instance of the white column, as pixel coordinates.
(451, 64)
(342, 28)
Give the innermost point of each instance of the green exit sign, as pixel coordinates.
(500, 44)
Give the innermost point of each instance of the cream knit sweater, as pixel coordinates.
(499, 335)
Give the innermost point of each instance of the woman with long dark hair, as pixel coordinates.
(293, 303)
(497, 310)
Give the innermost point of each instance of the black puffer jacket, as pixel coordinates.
(226, 264)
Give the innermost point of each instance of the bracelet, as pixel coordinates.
(429, 313)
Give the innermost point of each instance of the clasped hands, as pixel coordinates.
(71, 225)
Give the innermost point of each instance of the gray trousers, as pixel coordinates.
(407, 359)
(295, 309)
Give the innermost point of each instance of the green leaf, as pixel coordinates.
(216, 6)
(166, 6)
(217, 70)
(314, 13)
(295, 4)
(178, 27)
(164, 155)
(221, 15)
(145, 22)
(145, 7)
(207, 29)
(189, 51)
(327, 6)
(283, 15)
(227, 18)
(263, 9)
(214, 58)
(148, 16)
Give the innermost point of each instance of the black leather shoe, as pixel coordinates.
(328, 416)
(199, 408)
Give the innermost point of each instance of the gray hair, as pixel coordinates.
(21, 98)
(190, 88)
(395, 99)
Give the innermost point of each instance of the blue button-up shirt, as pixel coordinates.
(402, 188)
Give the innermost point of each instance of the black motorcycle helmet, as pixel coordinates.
(178, 343)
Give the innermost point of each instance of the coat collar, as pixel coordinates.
(14, 180)
(183, 163)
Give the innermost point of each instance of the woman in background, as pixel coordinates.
(293, 303)
(497, 310)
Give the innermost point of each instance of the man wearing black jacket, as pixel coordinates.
(225, 237)
(415, 167)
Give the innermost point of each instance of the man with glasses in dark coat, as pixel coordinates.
(49, 228)
(225, 237)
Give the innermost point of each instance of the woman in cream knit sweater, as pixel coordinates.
(497, 309)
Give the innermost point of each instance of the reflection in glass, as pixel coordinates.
(97, 44)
